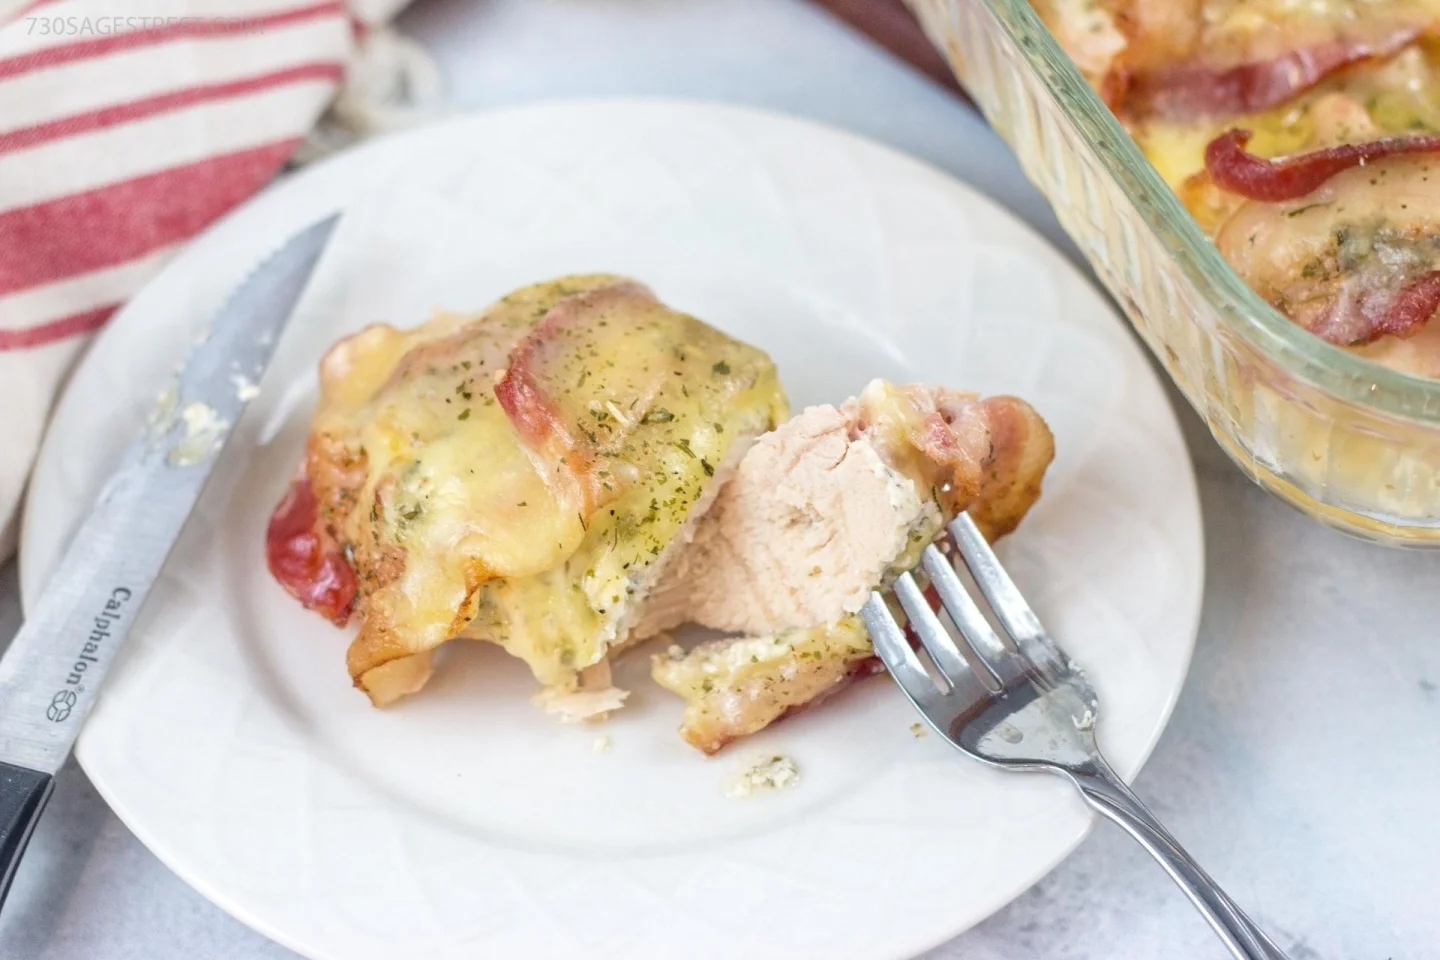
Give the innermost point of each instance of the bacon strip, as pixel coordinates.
(537, 420)
(533, 412)
(1410, 309)
(1193, 91)
(304, 559)
(1355, 320)
(1272, 181)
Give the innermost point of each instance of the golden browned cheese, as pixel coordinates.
(1351, 262)
(733, 688)
(1227, 33)
(1117, 43)
(517, 475)
(1365, 102)
(831, 505)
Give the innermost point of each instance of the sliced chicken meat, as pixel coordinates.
(820, 512)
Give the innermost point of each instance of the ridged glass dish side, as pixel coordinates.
(1349, 443)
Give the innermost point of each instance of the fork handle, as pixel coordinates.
(1109, 795)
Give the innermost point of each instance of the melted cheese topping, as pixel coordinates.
(456, 524)
(1397, 97)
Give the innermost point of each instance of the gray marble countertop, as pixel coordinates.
(1302, 766)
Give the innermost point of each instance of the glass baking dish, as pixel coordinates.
(1352, 444)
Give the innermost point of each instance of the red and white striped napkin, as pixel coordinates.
(126, 127)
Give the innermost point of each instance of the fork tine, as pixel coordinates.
(1000, 591)
(1003, 596)
(999, 660)
(943, 652)
(889, 641)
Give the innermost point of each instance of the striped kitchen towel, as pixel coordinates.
(126, 127)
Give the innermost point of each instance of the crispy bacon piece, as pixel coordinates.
(532, 410)
(305, 559)
(1355, 318)
(1240, 172)
(1193, 91)
(529, 408)
(1410, 309)
(538, 421)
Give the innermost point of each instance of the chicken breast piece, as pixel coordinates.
(1355, 261)
(825, 507)
(515, 476)
(821, 511)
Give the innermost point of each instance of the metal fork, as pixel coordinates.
(1027, 707)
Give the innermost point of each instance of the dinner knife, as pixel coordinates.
(51, 674)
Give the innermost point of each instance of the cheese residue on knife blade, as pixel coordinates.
(162, 416)
(245, 390)
(203, 429)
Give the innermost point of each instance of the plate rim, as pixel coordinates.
(901, 947)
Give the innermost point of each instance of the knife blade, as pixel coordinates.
(51, 674)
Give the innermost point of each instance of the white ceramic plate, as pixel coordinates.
(464, 823)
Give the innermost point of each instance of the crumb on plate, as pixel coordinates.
(774, 772)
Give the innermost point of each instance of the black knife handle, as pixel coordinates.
(23, 793)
